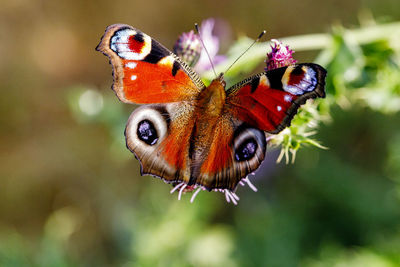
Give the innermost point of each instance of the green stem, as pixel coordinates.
(307, 42)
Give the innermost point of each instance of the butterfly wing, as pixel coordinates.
(236, 150)
(144, 71)
(265, 102)
(269, 100)
(159, 136)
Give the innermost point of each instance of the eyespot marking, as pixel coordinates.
(136, 43)
(246, 150)
(249, 146)
(138, 37)
(147, 132)
(298, 80)
(130, 44)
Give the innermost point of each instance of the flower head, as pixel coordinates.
(280, 56)
(188, 47)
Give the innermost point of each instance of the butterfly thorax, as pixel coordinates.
(211, 100)
(209, 107)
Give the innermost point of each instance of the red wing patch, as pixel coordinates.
(136, 43)
(145, 71)
(269, 100)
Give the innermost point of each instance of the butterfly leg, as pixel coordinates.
(245, 181)
(230, 196)
(195, 194)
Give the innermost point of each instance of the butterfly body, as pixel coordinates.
(196, 135)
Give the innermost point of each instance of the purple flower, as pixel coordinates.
(188, 47)
(212, 43)
(280, 56)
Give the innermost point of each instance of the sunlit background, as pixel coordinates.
(71, 193)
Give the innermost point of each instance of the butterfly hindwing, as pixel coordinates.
(144, 70)
(269, 100)
(159, 136)
(236, 150)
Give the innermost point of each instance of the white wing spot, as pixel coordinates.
(131, 65)
(287, 98)
(279, 108)
(133, 77)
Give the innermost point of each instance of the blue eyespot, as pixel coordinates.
(246, 150)
(147, 132)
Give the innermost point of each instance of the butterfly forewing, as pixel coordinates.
(269, 100)
(145, 71)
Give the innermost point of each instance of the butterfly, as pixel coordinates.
(198, 136)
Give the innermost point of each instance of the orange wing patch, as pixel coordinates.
(175, 148)
(145, 82)
(219, 159)
(220, 152)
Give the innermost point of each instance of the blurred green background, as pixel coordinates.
(71, 193)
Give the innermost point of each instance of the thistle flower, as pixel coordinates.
(280, 56)
(188, 47)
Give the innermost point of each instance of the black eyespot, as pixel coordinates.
(246, 150)
(147, 133)
(139, 37)
(298, 70)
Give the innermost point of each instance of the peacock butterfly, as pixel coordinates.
(196, 136)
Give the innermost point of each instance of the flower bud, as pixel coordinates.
(280, 56)
(188, 47)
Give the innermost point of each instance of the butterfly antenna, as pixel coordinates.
(201, 39)
(255, 41)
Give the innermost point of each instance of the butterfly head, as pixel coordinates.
(221, 79)
(212, 99)
(218, 85)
